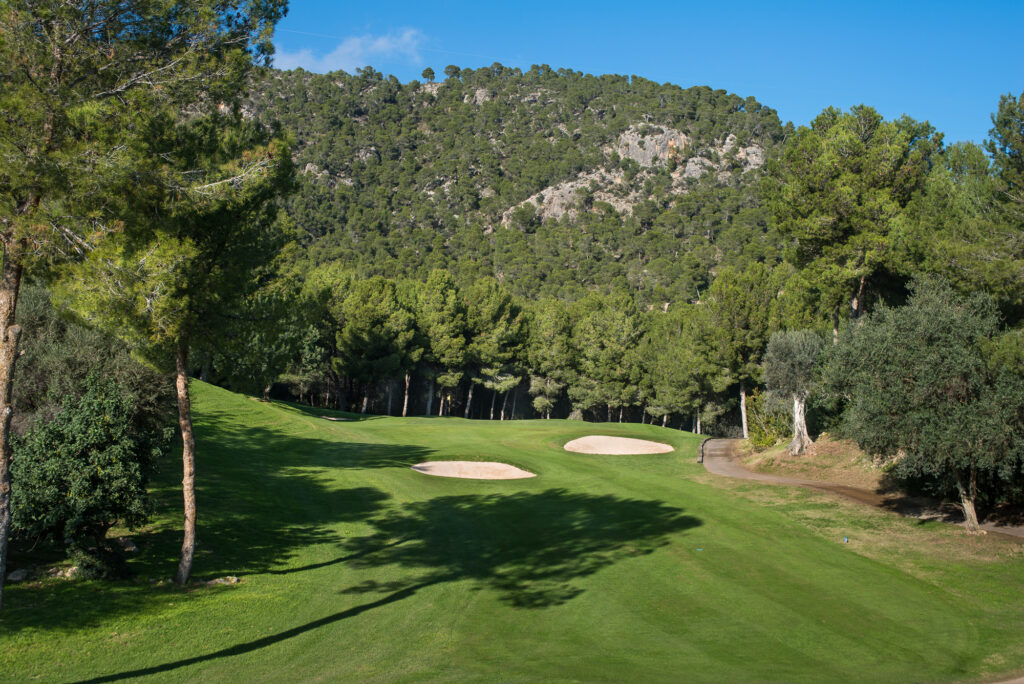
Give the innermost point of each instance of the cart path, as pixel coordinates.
(720, 458)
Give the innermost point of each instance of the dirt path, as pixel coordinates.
(720, 458)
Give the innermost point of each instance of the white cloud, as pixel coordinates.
(355, 52)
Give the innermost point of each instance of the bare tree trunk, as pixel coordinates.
(698, 422)
(857, 302)
(494, 397)
(440, 408)
(743, 409)
(188, 460)
(968, 495)
(620, 414)
(609, 419)
(366, 400)
(515, 396)
(405, 401)
(664, 420)
(390, 388)
(835, 325)
(469, 399)
(801, 439)
(504, 403)
(430, 397)
(10, 333)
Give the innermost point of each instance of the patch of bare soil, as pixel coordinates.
(828, 460)
(473, 470)
(616, 446)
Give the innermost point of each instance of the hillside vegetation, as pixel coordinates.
(555, 182)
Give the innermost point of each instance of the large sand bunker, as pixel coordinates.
(472, 470)
(616, 446)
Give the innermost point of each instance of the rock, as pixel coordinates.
(650, 145)
(230, 579)
(19, 575)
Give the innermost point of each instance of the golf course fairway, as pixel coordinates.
(641, 568)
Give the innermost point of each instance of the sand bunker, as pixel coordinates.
(472, 470)
(616, 446)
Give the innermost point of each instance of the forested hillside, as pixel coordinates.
(553, 182)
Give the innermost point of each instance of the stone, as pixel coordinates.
(19, 575)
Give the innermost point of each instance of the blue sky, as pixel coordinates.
(947, 62)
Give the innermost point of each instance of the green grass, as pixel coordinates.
(602, 568)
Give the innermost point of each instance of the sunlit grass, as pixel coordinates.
(602, 568)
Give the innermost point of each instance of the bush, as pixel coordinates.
(770, 420)
(77, 474)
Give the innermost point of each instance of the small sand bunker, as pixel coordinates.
(616, 446)
(335, 418)
(472, 470)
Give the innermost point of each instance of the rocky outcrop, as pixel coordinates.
(477, 97)
(650, 145)
(565, 198)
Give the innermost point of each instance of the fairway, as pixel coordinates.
(355, 567)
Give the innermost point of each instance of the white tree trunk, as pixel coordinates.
(801, 439)
(968, 495)
(469, 400)
(743, 409)
(405, 401)
(504, 403)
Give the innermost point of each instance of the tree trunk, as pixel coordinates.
(835, 325)
(504, 403)
(664, 420)
(366, 400)
(857, 302)
(620, 414)
(390, 388)
(440, 408)
(967, 497)
(430, 397)
(10, 333)
(188, 460)
(469, 399)
(698, 422)
(515, 396)
(405, 401)
(609, 418)
(801, 440)
(743, 409)
(494, 397)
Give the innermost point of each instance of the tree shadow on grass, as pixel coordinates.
(528, 547)
(264, 496)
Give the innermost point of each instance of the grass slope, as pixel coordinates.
(603, 568)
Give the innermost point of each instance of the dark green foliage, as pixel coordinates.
(921, 391)
(791, 360)
(59, 354)
(835, 193)
(1006, 147)
(83, 470)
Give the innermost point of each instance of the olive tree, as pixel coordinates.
(923, 391)
(789, 366)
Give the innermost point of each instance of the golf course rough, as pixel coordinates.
(616, 446)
